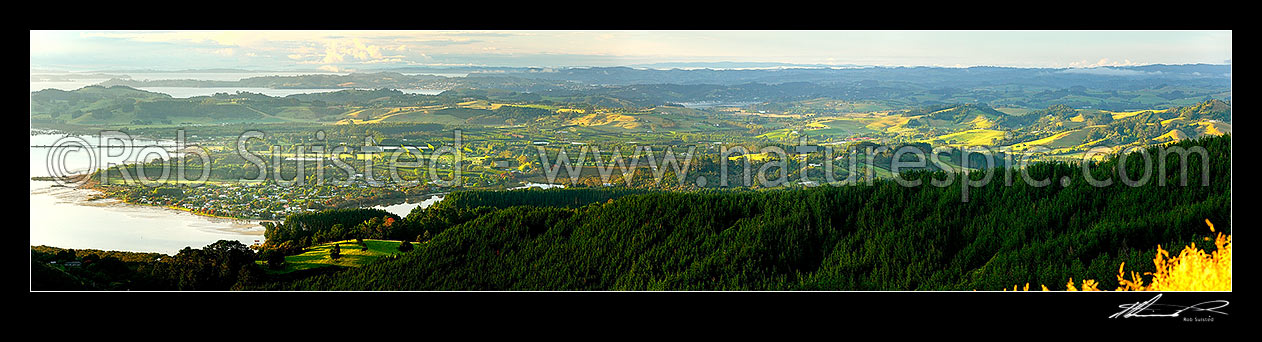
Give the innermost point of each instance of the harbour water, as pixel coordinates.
(67, 217)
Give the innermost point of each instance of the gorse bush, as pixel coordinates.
(1192, 270)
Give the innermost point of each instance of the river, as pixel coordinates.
(403, 209)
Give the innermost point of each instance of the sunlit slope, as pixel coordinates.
(972, 137)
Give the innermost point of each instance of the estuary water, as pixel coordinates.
(66, 217)
(403, 209)
(72, 81)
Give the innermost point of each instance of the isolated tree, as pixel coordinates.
(275, 260)
(335, 252)
(405, 246)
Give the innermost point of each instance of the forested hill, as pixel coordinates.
(879, 237)
(536, 197)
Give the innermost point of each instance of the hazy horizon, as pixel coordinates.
(357, 51)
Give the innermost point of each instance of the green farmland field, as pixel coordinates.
(352, 256)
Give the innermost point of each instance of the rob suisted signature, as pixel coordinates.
(1150, 308)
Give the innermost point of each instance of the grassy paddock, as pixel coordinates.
(352, 256)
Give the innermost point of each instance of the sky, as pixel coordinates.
(346, 51)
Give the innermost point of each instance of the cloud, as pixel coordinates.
(305, 47)
(227, 52)
(1106, 71)
(220, 38)
(356, 50)
(348, 49)
(1103, 62)
(1106, 67)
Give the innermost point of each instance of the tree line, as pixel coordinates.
(883, 236)
(879, 237)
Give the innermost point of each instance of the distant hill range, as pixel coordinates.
(740, 73)
(1108, 88)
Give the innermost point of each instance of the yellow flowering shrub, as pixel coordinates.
(1191, 270)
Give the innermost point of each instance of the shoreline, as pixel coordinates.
(385, 203)
(380, 203)
(191, 211)
(71, 198)
(165, 254)
(101, 195)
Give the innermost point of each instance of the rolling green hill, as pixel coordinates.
(972, 137)
(831, 238)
